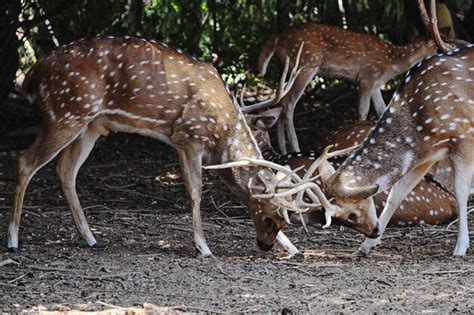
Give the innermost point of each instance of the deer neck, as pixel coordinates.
(384, 158)
(238, 143)
(404, 57)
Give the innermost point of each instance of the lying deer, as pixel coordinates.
(124, 84)
(428, 203)
(338, 53)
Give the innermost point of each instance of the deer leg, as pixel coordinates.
(378, 101)
(191, 164)
(398, 192)
(462, 183)
(281, 135)
(69, 163)
(365, 91)
(287, 245)
(289, 103)
(43, 150)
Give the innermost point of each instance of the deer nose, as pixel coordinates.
(264, 246)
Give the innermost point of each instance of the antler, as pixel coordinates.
(319, 163)
(283, 87)
(275, 186)
(296, 185)
(431, 24)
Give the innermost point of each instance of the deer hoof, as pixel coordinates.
(298, 256)
(460, 253)
(14, 250)
(359, 254)
(207, 255)
(98, 246)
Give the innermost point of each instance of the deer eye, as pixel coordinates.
(352, 217)
(270, 224)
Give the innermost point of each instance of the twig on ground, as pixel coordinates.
(451, 224)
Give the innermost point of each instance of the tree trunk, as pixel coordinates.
(136, 14)
(469, 21)
(283, 15)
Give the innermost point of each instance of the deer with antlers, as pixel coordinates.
(334, 52)
(126, 84)
(430, 119)
(428, 203)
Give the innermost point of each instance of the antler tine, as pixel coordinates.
(270, 102)
(291, 174)
(286, 216)
(295, 72)
(281, 84)
(239, 163)
(308, 185)
(431, 24)
(288, 176)
(435, 31)
(303, 223)
(316, 164)
(283, 88)
(275, 166)
(241, 98)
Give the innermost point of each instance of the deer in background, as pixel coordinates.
(334, 52)
(428, 203)
(125, 84)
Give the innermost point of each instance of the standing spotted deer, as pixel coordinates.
(338, 53)
(125, 84)
(431, 118)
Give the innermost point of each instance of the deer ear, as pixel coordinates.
(268, 118)
(344, 191)
(360, 192)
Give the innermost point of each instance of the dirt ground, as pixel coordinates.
(135, 203)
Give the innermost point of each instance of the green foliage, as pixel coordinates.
(227, 33)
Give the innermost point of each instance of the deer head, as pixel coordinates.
(355, 206)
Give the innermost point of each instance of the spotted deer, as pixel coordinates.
(431, 118)
(428, 203)
(354, 134)
(126, 84)
(334, 52)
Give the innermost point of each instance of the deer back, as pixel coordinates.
(341, 53)
(434, 112)
(134, 85)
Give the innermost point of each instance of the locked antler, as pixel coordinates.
(280, 195)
